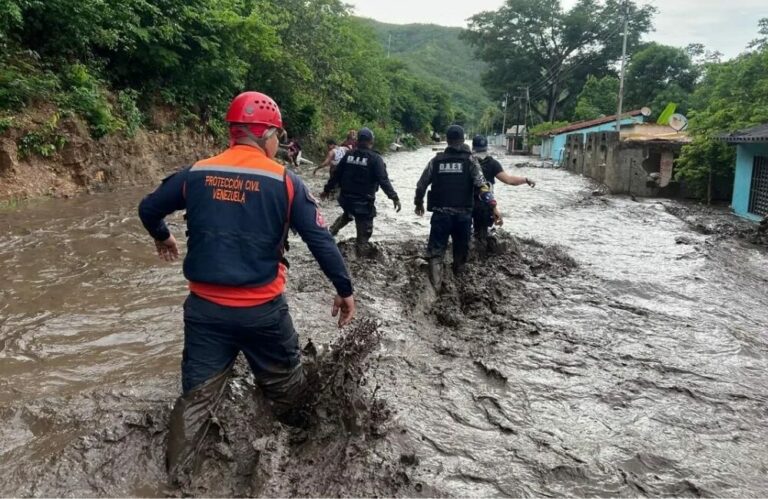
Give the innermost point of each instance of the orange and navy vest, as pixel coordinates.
(238, 214)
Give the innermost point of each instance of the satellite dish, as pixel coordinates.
(678, 122)
(646, 111)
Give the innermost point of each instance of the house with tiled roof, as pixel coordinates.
(553, 143)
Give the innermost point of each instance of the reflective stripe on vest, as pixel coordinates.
(238, 209)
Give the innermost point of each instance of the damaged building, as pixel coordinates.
(638, 161)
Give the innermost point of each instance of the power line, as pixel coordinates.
(623, 67)
(543, 85)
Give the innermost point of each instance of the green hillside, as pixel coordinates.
(437, 54)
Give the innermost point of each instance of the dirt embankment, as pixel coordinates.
(42, 155)
(719, 223)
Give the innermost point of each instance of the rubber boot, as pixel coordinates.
(190, 420)
(364, 228)
(289, 396)
(339, 224)
(436, 272)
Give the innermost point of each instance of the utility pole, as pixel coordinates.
(517, 126)
(389, 45)
(527, 106)
(623, 66)
(504, 121)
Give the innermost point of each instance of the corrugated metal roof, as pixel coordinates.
(580, 125)
(757, 133)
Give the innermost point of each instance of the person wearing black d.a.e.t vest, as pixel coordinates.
(454, 176)
(360, 173)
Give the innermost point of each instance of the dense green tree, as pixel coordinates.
(599, 97)
(536, 43)
(732, 95)
(660, 74)
(109, 60)
(491, 120)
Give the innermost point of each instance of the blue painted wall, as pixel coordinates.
(555, 152)
(742, 183)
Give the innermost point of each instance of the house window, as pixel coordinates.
(758, 196)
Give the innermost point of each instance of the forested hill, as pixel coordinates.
(437, 54)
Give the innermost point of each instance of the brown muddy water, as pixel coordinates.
(611, 351)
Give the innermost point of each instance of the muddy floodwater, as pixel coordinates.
(610, 351)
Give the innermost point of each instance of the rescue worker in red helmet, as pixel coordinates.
(239, 207)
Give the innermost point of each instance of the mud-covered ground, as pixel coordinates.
(612, 349)
(719, 222)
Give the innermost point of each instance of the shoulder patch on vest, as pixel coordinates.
(319, 219)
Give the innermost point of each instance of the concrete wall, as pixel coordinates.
(623, 167)
(745, 159)
(557, 151)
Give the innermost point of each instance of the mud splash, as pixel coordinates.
(112, 444)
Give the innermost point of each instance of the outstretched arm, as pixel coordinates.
(326, 162)
(510, 179)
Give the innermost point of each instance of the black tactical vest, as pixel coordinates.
(358, 176)
(452, 183)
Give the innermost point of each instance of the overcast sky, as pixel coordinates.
(724, 25)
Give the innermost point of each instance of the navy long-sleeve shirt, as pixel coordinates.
(305, 219)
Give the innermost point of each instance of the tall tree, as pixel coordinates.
(732, 95)
(660, 74)
(536, 43)
(598, 98)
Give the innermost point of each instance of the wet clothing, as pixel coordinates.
(363, 226)
(360, 174)
(482, 214)
(213, 337)
(215, 334)
(455, 175)
(240, 206)
(457, 226)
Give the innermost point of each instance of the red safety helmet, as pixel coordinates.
(254, 108)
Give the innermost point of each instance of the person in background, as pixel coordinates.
(351, 141)
(294, 152)
(483, 217)
(457, 184)
(240, 206)
(360, 173)
(334, 156)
